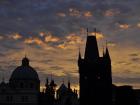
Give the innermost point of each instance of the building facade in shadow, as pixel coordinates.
(23, 88)
(95, 75)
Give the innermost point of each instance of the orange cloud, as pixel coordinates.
(42, 34)
(29, 41)
(111, 44)
(50, 38)
(1, 37)
(74, 12)
(70, 42)
(16, 36)
(33, 40)
(38, 41)
(87, 14)
(138, 25)
(61, 14)
(124, 26)
(62, 46)
(98, 35)
(111, 12)
(74, 39)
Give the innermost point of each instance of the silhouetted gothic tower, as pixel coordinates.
(95, 75)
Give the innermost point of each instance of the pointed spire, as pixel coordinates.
(69, 87)
(91, 50)
(95, 31)
(103, 52)
(107, 52)
(25, 61)
(107, 55)
(106, 44)
(25, 55)
(51, 76)
(3, 79)
(87, 31)
(47, 81)
(52, 83)
(79, 58)
(25, 51)
(63, 81)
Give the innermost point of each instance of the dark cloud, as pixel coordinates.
(56, 68)
(124, 63)
(126, 80)
(2, 54)
(134, 54)
(43, 61)
(26, 16)
(136, 59)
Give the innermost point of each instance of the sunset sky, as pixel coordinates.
(50, 32)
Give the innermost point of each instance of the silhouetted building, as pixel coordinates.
(66, 96)
(48, 95)
(137, 93)
(95, 75)
(125, 95)
(96, 86)
(23, 88)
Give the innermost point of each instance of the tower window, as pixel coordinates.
(98, 77)
(85, 77)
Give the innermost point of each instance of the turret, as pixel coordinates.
(91, 50)
(47, 82)
(107, 55)
(79, 58)
(25, 61)
(69, 87)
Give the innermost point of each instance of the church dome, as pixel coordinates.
(3, 84)
(24, 72)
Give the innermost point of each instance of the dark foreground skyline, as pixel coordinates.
(95, 82)
(42, 28)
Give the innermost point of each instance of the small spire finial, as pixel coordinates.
(25, 51)
(103, 51)
(106, 44)
(107, 52)
(25, 55)
(47, 81)
(63, 80)
(25, 61)
(79, 51)
(51, 76)
(95, 31)
(87, 31)
(69, 84)
(79, 57)
(3, 79)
